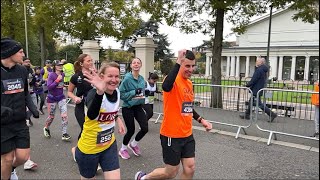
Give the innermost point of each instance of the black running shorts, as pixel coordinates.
(14, 136)
(174, 149)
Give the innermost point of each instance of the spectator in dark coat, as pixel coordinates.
(256, 83)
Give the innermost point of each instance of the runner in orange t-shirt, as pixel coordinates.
(315, 102)
(178, 144)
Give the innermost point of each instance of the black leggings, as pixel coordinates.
(129, 114)
(29, 113)
(149, 110)
(42, 98)
(79, 113)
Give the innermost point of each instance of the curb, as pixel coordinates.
(258, 139)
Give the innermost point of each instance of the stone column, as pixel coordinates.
(144, 47)
(293, 68)
(274, 66)
(208, 65)
(306, 68)
(233, 63)
(238, 66)
(280, 68)
(91, 47)
(228, 67)
(247, 66)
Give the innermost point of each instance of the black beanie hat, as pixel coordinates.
(9, 47)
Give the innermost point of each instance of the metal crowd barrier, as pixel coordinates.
(301, 113)
(226, 98)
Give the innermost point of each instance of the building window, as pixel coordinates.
(314, 68)
(286, 71)
(299, 71)
(224, 68)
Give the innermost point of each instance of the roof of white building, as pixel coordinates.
(266, 17)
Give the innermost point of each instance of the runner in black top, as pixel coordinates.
(83, 64)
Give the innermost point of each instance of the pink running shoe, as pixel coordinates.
(124, 154)
(136, 150)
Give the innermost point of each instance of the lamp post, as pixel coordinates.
(25, 28)
(269, 34)
(268, 47)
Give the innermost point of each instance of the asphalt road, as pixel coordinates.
(217, 156)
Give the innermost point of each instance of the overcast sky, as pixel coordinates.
(177, 39)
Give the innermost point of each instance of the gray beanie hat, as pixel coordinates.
(9, 47)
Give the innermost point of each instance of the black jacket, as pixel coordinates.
(258, 79)
(14, 94)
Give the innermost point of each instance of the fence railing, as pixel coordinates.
(306, 85)
(230, 101)
(228, 98)
(301, 112)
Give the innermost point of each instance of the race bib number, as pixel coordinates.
(104, 137)
(12, 86)
(187, 108)
(60, 85)
(151, 99)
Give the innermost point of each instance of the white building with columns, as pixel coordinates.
(293, 55)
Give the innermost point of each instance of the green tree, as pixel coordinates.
(123, 56)
(150, 29)
(69, 52)
(47, 16)
(13, 25)
(89, 19)
(190, 15)
(12, 20)
(166, 65)
(109, 54)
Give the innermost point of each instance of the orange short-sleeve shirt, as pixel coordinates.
(177, 108)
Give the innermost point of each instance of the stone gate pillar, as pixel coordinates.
(144, 47)
(91, 47)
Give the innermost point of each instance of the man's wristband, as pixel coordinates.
(200, 119)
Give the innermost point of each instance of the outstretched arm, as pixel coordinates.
(206, 124)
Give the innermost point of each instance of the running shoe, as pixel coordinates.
(46, 132)
(136, 150)
(41, 112)
(28, 122)
(99, 168)
(139, 175)
(14, 175)
(124, 154)
(66, 137)
(30, 165)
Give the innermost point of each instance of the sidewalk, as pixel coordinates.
(217, 156)
(282, 124)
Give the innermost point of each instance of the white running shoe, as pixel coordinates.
(30, 165)
(14, 175)
(99, 167)
(28, 122)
